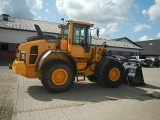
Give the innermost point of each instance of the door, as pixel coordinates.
(81, 42)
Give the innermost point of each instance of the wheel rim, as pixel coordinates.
(59, 77)
(114, 74)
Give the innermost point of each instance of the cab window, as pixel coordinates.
(81, 36)
(65, 32)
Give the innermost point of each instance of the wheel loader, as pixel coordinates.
(59, 61)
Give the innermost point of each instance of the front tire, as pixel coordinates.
(113, 74)
(57, 76)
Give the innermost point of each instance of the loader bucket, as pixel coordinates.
(133, 75)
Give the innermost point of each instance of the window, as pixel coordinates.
(65, 32)
(8, 47)
(134, 58)
(4, 47)
(115, 52)
(12, 47)
(124, 53)
(81, 36)
(111, 52)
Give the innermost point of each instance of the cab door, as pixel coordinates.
(81, 41)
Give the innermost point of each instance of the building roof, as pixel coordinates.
(150, 47)
(112, 43)
(27, 24)
(23, 24)
(126, 40)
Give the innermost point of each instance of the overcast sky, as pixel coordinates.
(136, 19)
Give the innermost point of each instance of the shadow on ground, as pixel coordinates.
(92, 92)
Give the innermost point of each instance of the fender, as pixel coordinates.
(44, 56)
(101, 64)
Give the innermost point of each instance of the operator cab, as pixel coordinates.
(76, 36)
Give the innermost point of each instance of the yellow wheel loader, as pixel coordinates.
(57, 61)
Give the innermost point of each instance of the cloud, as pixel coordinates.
(21, 8)
(144, 38)
(47, 10)
(102, 34)
(144, 12)
(107, 31)
(153, 12)
(100, 11)
(113, 27)
(34, 4)
(140, 27)
(136, 7)
(158, 35)
(110, 13)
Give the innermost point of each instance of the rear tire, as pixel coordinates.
(57, 76)
(112, 75)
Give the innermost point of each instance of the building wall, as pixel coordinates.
(14, 36)
(9, 41)
(123, 51)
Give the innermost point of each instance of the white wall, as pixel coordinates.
(14, 36)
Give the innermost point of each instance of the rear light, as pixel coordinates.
(22, 55)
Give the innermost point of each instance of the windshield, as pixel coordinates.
(65, 32)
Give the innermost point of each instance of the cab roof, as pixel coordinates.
(80, 22)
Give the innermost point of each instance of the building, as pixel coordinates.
(121, 46)
(150, 47)
(14, 31)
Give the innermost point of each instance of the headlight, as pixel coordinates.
(22, 55)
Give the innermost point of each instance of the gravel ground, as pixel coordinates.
(8, 89)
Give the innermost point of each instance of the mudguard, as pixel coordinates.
(44, 56)
(40, 62)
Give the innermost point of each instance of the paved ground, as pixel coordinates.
(8, 92)
(26, 99)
